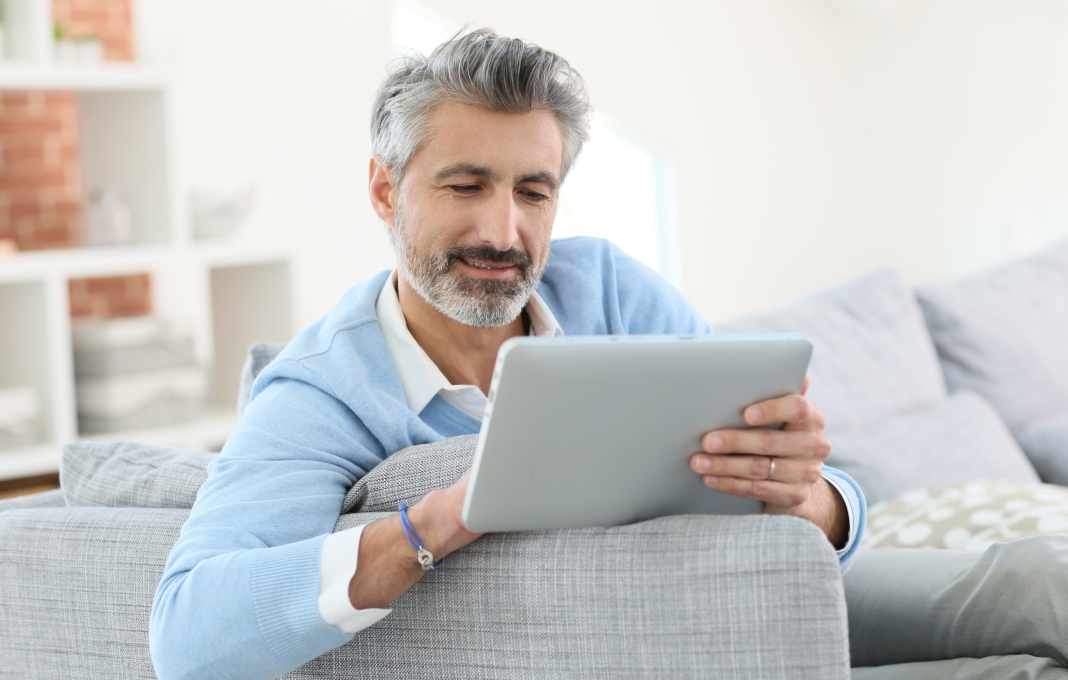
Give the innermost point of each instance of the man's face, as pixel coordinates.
(475, 210)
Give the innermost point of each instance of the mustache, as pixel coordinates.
(520, 259)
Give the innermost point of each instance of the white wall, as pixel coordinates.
(744, 95)
(812, 139)
(279, 91)
(957, 143)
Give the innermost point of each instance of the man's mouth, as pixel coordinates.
(490, 267)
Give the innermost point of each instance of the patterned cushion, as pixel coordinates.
(969, 516)
(959, 440)
(1003, 335)
(872, 356)
(1046, 444)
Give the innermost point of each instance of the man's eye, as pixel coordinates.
(465, 188)
(535, 196)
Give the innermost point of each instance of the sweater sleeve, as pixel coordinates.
(239, 594)
(857, 509)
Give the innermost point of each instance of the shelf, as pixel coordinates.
(76, 262)
(109, 260)
(104, 77)
(223, 293)
(206, 434)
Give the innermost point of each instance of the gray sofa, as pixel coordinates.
(920, 388)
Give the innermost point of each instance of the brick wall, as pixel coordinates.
(40, 176)
(108, 20)
(110, 296)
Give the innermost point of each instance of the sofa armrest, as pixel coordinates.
(686, 596)
(76, 588)
(48, 499)
(689, 596)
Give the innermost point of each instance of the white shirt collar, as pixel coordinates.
(419, 375)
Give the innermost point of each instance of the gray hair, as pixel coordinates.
(482, 69)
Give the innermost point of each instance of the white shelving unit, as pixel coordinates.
(226, 296)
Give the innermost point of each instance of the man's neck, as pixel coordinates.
(464, 354)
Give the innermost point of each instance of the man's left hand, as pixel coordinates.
(779, 467)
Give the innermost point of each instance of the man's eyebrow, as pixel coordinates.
(466, 169)
(546, 178)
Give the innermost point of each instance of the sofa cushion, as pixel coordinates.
(1046, 443)
(872, 356)
(129, 474)
(959, 440)
(969, 516)
(1003, 335)
(46, 499)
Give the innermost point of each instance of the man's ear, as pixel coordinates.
(383, 190)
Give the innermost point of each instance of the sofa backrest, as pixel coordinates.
(872, 356)
(1004, 335)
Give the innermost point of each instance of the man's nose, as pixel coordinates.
(499, 225)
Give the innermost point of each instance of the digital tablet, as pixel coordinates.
(599, 430)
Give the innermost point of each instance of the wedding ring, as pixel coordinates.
(771, 467)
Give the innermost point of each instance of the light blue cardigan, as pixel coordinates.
(239, 594)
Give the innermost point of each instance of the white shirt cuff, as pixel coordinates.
(849, 509)
(337, 566)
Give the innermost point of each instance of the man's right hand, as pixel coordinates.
(387, 565)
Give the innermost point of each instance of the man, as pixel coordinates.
(471, 146)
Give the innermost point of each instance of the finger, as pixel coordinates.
(760, 442)
(773, 493)
(804, 388)
(756, 467)
(794, 409)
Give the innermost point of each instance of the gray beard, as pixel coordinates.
(470, 301)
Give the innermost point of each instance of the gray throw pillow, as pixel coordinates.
(1002, 335)
(872, 356)
(959, 440)
(259, 355)
(1046, 444)
(408, 475)
(131, 475)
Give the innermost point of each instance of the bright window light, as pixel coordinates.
(619, 189)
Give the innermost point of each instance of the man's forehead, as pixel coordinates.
(464, 139)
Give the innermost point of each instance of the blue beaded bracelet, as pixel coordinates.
(425, 557)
